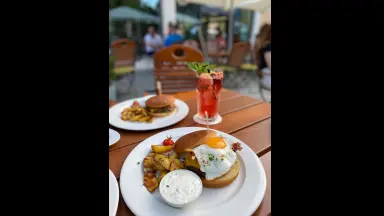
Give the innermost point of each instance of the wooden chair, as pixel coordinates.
(124, 54)
(238, 52)
(236, 58)
(253, 66)
(171, 69)
(235, 63)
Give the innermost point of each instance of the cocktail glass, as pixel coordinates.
(208, 94)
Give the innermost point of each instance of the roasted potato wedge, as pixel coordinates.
(135, 118)
(151, 154)
(176, 164)
(149, 170)
(161, 175)
(162, 149)
(173, 155)
(144, 118)
(148, 162)
(158, 166)
(150, 181)
(125, 117)
(163, 160)
(136, 114)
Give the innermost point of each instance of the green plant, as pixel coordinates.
(201, 67)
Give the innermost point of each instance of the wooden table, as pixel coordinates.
(244, 117)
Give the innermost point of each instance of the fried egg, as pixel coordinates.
(215, 157)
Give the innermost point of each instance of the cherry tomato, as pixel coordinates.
(168, 141)
(135, 104)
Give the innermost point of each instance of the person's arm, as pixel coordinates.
(146, 41)
(159, 42)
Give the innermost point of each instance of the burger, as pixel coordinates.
(160, 105)
(210, 157)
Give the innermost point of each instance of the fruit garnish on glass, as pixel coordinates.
(209, 84)
(201, 67)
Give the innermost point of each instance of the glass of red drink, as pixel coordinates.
(208, 94)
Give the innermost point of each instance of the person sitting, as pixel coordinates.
(173, 37)
(152, 41)
(221, 43)
(263, 54)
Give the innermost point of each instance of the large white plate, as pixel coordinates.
(114, 136)
(113, 194)
(115, 116)
(242, 197)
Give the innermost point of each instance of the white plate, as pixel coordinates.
(113, 194)
(241, 198)
(115, 116)
(113, 137)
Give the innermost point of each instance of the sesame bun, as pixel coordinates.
(160, 101)
(192, 140)
(225, 179)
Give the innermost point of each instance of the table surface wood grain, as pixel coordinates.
(245, 118)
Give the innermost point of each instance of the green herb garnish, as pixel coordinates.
(138, 162)
(211, 157)
(201, 67)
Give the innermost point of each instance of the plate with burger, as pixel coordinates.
(192, 171)
(148, 113)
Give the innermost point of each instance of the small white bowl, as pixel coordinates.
(184, 172)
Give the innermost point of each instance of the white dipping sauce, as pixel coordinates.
(180, 187)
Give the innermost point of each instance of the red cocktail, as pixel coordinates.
(208, 94)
